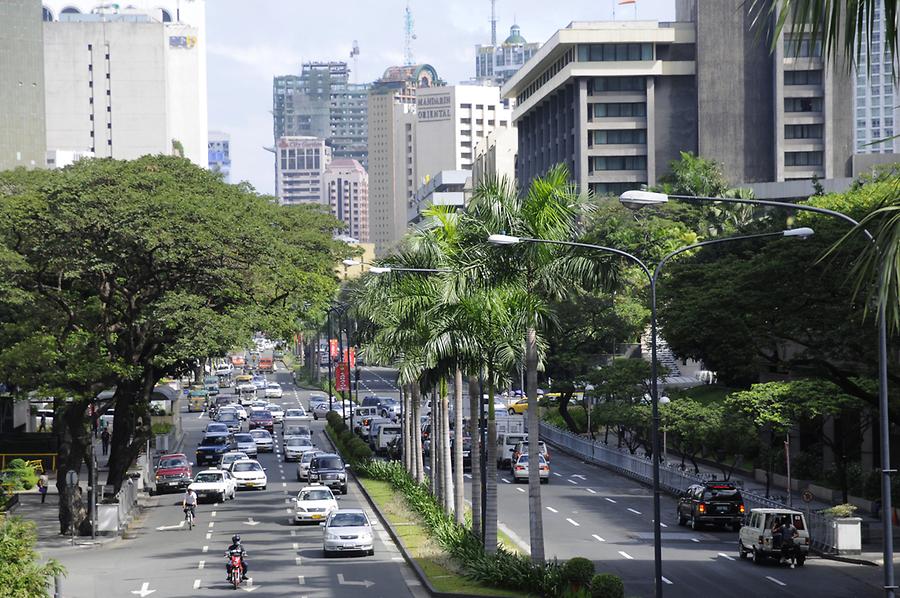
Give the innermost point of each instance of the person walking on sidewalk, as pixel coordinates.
(104, 439)
(42, 483)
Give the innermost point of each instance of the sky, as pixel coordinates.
(251, 42)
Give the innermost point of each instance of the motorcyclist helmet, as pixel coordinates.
(235, 539)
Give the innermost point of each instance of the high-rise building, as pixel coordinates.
(618, 101)
(876, 90)
(321, 102)
(495, 64)
(126, 97)
(392, 150)
(220, 154)
(22, 134)
(346, 187)
(495, 156)
(300, 164)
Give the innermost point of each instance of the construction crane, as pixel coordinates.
(354, 54)
(409, 36)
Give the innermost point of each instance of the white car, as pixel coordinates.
(314, 503)
(214, 484)
(237, 408)
(246, 443)
(263, 439)
(293, 412)
(229, 458)
(347, 530)
(247, 393)
(259, 382)
(295, 446)
(303, 464)
(276, 411)
(249, 474)
(273, 390)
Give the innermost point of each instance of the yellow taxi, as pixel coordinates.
(518, 407)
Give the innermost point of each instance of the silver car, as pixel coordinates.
(348, 530)
(246, 444)
(303, 465)
(263, 440)
(295, 446)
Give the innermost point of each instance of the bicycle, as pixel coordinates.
(189, 516)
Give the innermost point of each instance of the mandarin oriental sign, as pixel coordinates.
(433, 107)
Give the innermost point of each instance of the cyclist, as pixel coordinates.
(189, 501)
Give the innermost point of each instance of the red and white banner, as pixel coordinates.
(342, 377)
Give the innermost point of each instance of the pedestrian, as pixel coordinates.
(104, 438)
(43, 425)
(43, 482)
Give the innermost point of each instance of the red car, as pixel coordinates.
(261, 419)
(173, 472)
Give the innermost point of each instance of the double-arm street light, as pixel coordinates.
(388, 269)
(638, 199)
(652, 277)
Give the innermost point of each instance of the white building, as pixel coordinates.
(875, 103)
(63, 158)
(447, 188)
(219, 154)
(346, 188)
(495, 156)
(300, 166)
(126, 82)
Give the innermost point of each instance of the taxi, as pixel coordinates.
(314, 503)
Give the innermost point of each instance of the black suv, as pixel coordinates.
(328, 470)
(717, 503)
(213, 446)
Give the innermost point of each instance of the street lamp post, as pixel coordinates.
(638, 199)
(652, 277)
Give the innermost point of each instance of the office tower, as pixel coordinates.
(300, 164)
(346, 187)
(220, 154)
(875, 104)
(495, 64)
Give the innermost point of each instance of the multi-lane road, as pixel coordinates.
(166, 559)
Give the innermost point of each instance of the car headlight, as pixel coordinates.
(301, 509)
(331, 536)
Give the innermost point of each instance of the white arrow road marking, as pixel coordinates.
(598, 538)
(634, 511)
(772, 579)
(552, 510)
(248, 522)
(143, 592)
(196, 584)
(626, 555)
(467, 476)
(573, 522)
(344, 582)
(666, 580)
(577, 475)
(165, 527)
(725, 556)
(609, 499)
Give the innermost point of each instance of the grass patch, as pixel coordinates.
(708, 393)
(440, 569)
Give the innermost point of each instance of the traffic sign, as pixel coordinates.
(807, 496)
(72, 478)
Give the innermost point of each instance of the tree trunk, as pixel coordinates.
(458, 488)
(432, 449)
(564, 412)
(418, 454)
(73, 444)
(490, 498)
(446, 469)
(536, 520)
(474, 413)
(131, 403)
(407, 430)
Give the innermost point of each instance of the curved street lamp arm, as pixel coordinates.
(669, 256)
(618, 252)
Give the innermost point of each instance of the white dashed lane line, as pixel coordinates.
(573, 522)
(665, 579)
(201, 564)
(196, 584)
(591, 490)
(572, 482)
(634, 511)
(773, 580)
(559, 475)
(626, 555)
(598, 538)
(725, 556)
(609, 499)
(552, 510)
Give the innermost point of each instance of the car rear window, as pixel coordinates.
(329, 463)
(215, 440)
(722, 494)
(243, 438)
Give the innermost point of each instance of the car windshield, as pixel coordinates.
(348, 520)
(215, 440)
(243, 438)
(261, 415)
(298, 442)
(330, 463)
(179, 462)
(316, 495)
(252, 466)
(260, 434)
(274, 385)
(208, 477)
(307, 457)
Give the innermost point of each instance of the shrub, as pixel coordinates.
(578, 571)
(16, 464)
(607, 585)
(844, 510)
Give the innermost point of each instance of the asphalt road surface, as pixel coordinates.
(166, 559)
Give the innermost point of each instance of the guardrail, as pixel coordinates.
(48, 460)
(672, 480)
(126, 499)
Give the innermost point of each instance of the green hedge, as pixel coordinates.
(353, 449)
(21, 476)
(607, 585)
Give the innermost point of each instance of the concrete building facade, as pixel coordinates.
(446, 188)
(346, 188)
(875, 104)
(495, 156)
(22, 132)
(495, 64)
(220, 154)
(300, 166)
(618, 101)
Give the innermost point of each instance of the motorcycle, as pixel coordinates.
(237, 568)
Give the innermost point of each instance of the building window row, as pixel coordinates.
(548, 74)
(803, 158)
(620, 109)
(601, 84)
(803, 77)
(618, 163)
(619, 136)
(803, 131)
(801, 46)
(802, 104)
(614, 52)
(615, 189)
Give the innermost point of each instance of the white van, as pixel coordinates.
(374, 425)
(362, 416)
(506, 443)
(386, 434)
(755, 537)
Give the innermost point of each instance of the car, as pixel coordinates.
(329, 469)
(294, 428)
(293, 412)
(347, 530)
(317, 400)
(248, 473)
(520, 470)
(246, 443)
(261, 419)
(506, 443)
(390, 408)
(173, 472)
(273, 390)
(216, 428)
(295, 446)
(246, 393)
(303, 464)
(212, 447)
(716, 503)
(755, 537)
(231, 419)
(264, 442)
(521, 448)
(259, 382)
(214, 484)
(276, 411)
(314, 503)
(519, 407)
(319, 410)
(229, 458)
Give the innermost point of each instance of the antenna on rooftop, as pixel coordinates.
(354, 54)
(493, 22)
(409, 36)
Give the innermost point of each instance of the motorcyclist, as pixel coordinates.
(189, 501)
(236, 548)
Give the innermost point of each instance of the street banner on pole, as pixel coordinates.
(333, 348)
(342, 377)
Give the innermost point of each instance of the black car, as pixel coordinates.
(328, 469)
(716, 503)
(213, 446)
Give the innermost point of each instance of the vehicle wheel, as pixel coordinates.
(264, 487)
(298, 478)
(512, 411)
(800, 560)
(680, 518)
(326, 553)
(343, 490)
(222, 498)
(545, 481)
(371, 552)
(695, 525)
(741, 552)
(233, 493)
(757, 557)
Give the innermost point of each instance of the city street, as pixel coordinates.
(166, 559)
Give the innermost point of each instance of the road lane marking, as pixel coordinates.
(293, 532)
(591, 490)
(552, 510)
(598, 538)
(661, 524)
(505, 480)
(572, 482)
(521, 489)
(296, 546)
(288, 510)
(467, 476)
(284, 484)
(559, 475)
(697, 540)
(301, 579)
(634, 511)
(213, 514)
(205, 549)
(626, 555)
(573, 522)
(609, 499)
(725, 556)
(211, 524)
(201, 564)
(773, 580)
(196, 584)
(297, 560)
(208, 536)
(666, 580)
(577, 475)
